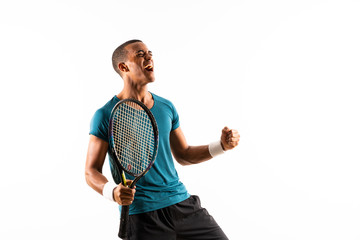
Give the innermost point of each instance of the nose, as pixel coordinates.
(148, 56)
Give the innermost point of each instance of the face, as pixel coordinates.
(140, 65)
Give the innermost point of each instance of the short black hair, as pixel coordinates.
(120, 54)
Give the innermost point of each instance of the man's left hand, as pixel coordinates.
(229, 138)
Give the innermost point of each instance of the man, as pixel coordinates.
(160, 206)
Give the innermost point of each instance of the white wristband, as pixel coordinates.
(215, 148)
(108, 191)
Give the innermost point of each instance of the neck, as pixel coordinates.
(139, 93)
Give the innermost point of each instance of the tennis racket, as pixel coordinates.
(133, 140)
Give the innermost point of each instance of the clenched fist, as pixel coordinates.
(124, 195)
(229, 138)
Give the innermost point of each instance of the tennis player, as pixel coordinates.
(160, 207)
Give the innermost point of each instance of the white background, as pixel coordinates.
(284, 73)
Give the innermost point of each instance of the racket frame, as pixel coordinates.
(120, 169)
(111, 141)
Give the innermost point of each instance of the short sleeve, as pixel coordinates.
(175, 120)
(99, 125)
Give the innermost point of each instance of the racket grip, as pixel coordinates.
(124, 222)
(123, 178)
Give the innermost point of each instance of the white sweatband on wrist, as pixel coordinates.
(215, 148)
(108, 191)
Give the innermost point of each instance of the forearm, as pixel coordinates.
(95, 179)
(187, 155)
(193, 155)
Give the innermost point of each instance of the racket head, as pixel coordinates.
(133, 137)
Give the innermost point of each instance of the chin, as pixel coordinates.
(151, 79)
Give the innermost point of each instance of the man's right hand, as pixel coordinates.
(124, 195)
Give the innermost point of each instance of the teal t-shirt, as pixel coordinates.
(160, 187)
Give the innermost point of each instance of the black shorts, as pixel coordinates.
(186, 220)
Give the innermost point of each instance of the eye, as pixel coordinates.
(150, 53)
(140, 54)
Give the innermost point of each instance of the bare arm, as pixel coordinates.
(94, 162)
(93, 172)
(186, 155)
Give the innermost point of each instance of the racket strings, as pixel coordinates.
(133, 137)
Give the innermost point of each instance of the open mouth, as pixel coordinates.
(149, 68)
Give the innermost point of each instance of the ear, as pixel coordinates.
(123, 67)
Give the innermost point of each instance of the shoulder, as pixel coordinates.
(163, 101)
(165, 107)
(100, 120)
(105, 111)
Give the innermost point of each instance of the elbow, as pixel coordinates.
(183, 158)
(87, 177)
(90, 173)
(182, 161)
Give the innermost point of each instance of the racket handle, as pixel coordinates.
(124, 222)
(123, 178)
